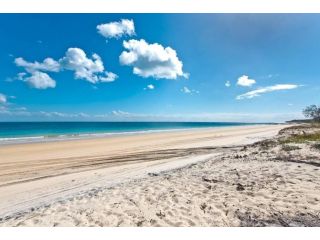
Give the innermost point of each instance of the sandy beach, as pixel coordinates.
(210, 177)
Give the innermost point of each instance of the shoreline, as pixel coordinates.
(97, 135)
(76, 167)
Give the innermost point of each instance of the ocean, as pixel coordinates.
(16, 132)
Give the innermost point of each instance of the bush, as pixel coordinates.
(289, 148)
(312, 111)
(302, 138)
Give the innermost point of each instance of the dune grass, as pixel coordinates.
(303, 138)
(289, 148)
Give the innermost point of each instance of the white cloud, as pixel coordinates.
(245, 81)
(6, 110)
(117, 29)
(258, 92)
(37, 79)
(150, 87)
(84, 115)
(110, 77)
(185, 90)
(120, 113)
(151, 60)
(202, 117)
(189, 91)
(92, 70)
(227, 84)
(61, 115)
(3, 98)
(75, 59)
(40, 80)
(48, 65)
(21, 76)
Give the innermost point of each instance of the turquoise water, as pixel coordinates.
(32, 131)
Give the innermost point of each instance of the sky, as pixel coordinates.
(158, 67)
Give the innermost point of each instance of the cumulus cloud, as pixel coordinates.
(258, 92)
(90, 69)
(3, 98)
(37, 77)
(75, 59)
(227, 84)
(40, 80)
(48, 65)
(117, 29)
(244, 81)
(151, 60)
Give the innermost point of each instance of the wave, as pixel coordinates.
(77, 136)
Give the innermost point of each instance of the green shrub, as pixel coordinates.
(288, 148)
(313, 137)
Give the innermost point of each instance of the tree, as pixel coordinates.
(313, 112)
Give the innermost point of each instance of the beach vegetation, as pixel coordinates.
(303, 138)
(289, 148)
(313, 112)
(317, 146)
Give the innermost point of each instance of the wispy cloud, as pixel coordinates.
(117, 29)
(258, 92)
(61, 114)
(119, 115)
(244, 81)
(227, 84)
(202, 117)
(189, 91)
(14, 111)
(185, 90)
(268, 76)
(3, 98)
(152, 60)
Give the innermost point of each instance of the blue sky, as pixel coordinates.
(158, 67)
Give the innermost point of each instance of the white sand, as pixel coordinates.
(191, 185)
